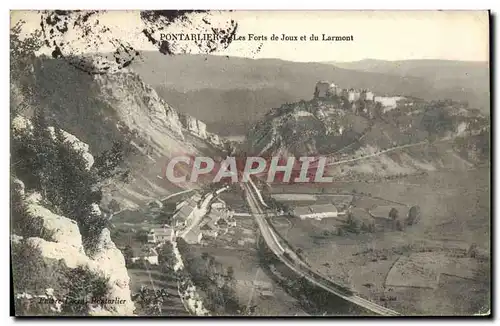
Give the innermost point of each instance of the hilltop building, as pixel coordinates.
(353, 95)
(321, 90)
(389, 102)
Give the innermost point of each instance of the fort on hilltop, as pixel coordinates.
(326, 90)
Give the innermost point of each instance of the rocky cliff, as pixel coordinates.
(55, 249)
(103, 109)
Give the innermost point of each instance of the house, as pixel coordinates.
(368, 95)
(160, 234)
(219, 204)
(353, 95)
(267, 294)
(317, 211)
(151, 257)
(193, 237)
(185, 210)
(388, 102)
(334, 90)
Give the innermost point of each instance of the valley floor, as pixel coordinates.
(424, 269)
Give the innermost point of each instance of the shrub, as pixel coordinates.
(54, 167)
(413, 215)
(393, 214)
(83, 286)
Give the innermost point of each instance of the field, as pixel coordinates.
(255, 290)
(156, 280)
(408, 270)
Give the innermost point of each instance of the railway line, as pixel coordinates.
(287, 256)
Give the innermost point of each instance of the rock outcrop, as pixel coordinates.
(65, 248)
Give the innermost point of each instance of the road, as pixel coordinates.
(292, 261)
(377, 154)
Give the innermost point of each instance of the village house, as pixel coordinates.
(160, 234)
(219, 204)
(151, 257)
(317, 211)
(194, 236)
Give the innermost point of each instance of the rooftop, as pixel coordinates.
(161, 231)
(315, 209)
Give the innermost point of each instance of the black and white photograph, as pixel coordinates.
(217, 163)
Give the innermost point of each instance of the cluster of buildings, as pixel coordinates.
(326, 89)
(210, 226)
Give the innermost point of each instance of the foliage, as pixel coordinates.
(166, 257)
(49, 164)
(413, 215)
(83, 286)
(29, 272)
(393, 214)
(128, 254)
(149, 301)
(22, 50)
(108, 163)
(23, 223)
(216, 282)
(437, 120)
(142, 236)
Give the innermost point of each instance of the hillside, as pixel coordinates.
(414, 136)
(240, 90)
(104, 109)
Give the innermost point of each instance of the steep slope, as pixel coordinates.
(238, 90)
(58, 268)
(103, 109)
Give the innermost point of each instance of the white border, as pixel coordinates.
(199, 4)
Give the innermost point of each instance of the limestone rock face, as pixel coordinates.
(111, 262)
(64, 230)
(66, 247)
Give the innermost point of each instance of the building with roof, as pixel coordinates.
(353, 95)
(160, 234)
(319, 211)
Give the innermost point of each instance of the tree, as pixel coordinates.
(22, 51)
(128, 254)
(230, 272)
(413, 215)
(399, 225)
(142, 236)
(473, 251)
(83, 286)
(393, 214)
(114, 206)
(204, 255)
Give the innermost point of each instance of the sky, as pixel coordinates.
(384, 35)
